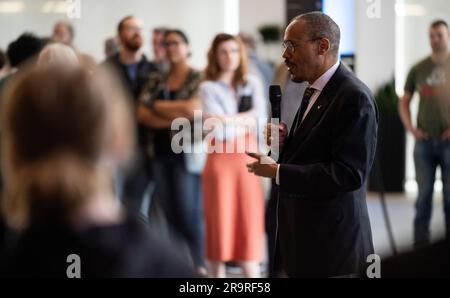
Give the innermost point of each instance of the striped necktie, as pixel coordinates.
(303, 107)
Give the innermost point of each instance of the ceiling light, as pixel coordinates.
(410, 10)
(12, 6)
(54, 7)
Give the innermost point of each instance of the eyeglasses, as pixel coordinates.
(171, 43)
(290, 45)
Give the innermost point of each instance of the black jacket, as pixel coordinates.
(144, 69)
(124, 250)
(134, 88)
(323, 223)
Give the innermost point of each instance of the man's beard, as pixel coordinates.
(133, 46)
(440, 49)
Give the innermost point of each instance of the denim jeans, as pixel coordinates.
(178, 193)
(132, 188)
(428, 155)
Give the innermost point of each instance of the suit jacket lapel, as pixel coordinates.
(316, 112)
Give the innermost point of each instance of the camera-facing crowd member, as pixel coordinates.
(233, 198)
(134, 70)
(432, 146)
(166, 97)
(64, 32)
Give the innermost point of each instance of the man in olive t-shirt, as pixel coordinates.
(432, 134)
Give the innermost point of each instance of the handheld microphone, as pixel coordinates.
(275, 100)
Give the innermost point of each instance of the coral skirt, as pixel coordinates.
(233, 206)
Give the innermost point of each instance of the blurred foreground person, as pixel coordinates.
(20, 52)
(427, 261)
(62, 130)
(57, 54)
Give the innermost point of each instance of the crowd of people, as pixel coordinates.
(84, 145)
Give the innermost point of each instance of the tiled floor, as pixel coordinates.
(401, 212)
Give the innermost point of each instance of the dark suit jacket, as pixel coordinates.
(323, 223)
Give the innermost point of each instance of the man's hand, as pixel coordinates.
(446, 135)
(282, 133)
(264, 166)
(419, 134)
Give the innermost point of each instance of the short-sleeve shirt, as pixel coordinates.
(429, 80)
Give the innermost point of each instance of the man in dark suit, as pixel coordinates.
(322, 223)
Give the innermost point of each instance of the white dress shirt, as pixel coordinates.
(290, 103)
(318, 85)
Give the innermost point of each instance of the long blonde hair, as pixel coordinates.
(58, 53)
(56, 124)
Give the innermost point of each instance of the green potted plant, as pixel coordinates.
(388, 171)
(387, 98)
(270, 33)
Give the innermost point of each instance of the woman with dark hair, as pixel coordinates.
(166, 97)
(233, 102)
(63, 132)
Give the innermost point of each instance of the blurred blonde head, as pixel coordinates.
(61, 129)
(58, 53)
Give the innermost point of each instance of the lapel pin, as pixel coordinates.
(319, 107)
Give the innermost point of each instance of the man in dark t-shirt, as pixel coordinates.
(134, 69)
(432, 133)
